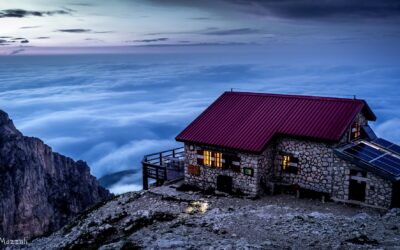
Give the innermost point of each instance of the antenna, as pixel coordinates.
(354, 97)
(231, 89)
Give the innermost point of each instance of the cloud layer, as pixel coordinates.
(298, 9)
(20, 13)
(111, 110)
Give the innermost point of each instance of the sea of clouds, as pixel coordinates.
(110, 110)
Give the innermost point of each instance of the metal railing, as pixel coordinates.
(163, 166)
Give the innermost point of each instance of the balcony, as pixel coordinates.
(163, 166)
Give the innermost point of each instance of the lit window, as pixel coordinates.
(355, 131)
(218, 160)
(289, 164)
(207, 158)
(285, 162)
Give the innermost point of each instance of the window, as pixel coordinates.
(289, 163)
(285, 162)
(200, 157)
(218, 160)
(207, 158)
(355, 131)
(231, 161)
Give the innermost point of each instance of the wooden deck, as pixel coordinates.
(163, 166)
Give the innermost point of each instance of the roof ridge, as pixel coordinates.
(325, 98)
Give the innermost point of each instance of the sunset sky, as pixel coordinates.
(54, 26)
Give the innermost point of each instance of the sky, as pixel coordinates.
(110, 81)
(121, 26)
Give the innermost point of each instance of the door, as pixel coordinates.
(224, 183)
(357, 185)
(396, 194)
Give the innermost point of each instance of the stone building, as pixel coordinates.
(253, 143)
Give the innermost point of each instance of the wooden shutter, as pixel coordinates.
(226, 161)
(200, 161)
(236, 163)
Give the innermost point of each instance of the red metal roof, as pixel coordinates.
(247, 121)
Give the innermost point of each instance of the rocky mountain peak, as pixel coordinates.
(7, 126)
(40, 190)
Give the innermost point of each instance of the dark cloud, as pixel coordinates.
(17, 51)
(43, 37)
(94, 39)
(149, 40)
(9, 40)
(243, 31)
(75, 30)
(82, 4)
(297, 9)
(68, 9)
(189, 44)
(83, 31)
(199, 18)
(325, 9)
(19, 13)
(5, 37)
(103, 32)
(212, 31)
(30, 27)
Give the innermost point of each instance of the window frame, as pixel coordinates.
(287, 162)
(217, 160)
(229, 158)
(207, 158)
(354, 135)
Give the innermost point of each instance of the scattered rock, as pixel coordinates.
(153, 221)
(362, 239)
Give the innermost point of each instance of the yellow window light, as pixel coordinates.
(207, 158)
(218, 159)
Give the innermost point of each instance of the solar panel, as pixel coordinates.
(387, 145)
(364, 152)
(395, 148)
(388, 163)
(378, 156)
(382, 142)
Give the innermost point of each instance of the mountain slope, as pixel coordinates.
(165, 218)
(40, 190)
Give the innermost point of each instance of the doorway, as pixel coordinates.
(358, 183)
(224, 183)
(396, 194)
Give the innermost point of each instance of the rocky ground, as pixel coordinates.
(164, 218)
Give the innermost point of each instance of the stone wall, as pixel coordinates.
(208, 175)
(379, 191)
(314, 164)
(319, 169)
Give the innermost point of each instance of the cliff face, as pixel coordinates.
(40, 190)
